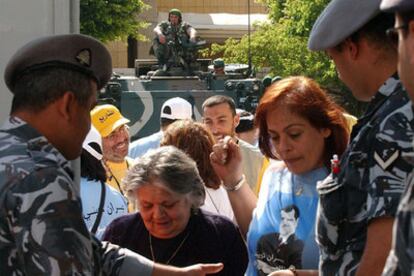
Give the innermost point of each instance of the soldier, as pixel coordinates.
(54, 81)
(401, 261)
(218, 66)
(359, 200)
(171, 35)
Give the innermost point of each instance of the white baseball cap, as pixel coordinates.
(93, 143)
(176, 109)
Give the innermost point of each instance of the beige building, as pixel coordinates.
(214, 20)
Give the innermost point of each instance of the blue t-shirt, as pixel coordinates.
(115, 204)
(267, 250)
(141, 146)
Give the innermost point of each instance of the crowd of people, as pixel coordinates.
(309, 193)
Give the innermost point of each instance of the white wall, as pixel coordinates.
(24, 20)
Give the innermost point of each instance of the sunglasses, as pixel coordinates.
(392, 33)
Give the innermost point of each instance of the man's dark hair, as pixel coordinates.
(219, 99)
(289, 209)
(246, 122)
(375, 32)
(164, 122)
(37, 89)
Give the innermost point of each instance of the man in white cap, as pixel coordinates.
(173, 109)
(358, 204)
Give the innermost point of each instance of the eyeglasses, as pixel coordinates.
(392, 33)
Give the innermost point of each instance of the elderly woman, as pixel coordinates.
(170, 228)
(197, 141)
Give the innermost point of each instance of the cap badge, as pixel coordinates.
(84, 57)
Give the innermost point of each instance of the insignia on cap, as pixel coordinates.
(84, 57)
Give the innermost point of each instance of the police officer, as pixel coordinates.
(400, 261)
(54, 81)
(359, 201)
(175, 30)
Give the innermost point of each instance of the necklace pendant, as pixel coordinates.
(173, 254)
(299, 191)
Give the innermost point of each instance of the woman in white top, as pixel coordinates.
(100, 202)
(196, 140)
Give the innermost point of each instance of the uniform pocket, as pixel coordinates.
(332, 199)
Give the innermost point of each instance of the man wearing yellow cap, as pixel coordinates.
(115, 142)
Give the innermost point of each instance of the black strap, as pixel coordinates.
(100, 210)
(114, 177)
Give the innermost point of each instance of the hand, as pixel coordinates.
(285, 272)
(227, 161)
(193, 39)
(161, 38)
(202, 269)
(194, 270)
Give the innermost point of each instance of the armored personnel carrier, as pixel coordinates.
(141, 97)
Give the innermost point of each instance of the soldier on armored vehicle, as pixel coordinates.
(175, 45)
(218, 67)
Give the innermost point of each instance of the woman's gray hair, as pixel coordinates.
(173, 168)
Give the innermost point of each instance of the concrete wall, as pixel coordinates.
(24, 20)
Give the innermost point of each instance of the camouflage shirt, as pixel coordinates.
(370, 181)
(174, 32)
(41, 227)
(401, 258)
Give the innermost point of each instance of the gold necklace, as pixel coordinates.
(173, 254)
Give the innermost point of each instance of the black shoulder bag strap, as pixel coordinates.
(100, 210)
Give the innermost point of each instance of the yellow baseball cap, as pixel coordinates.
(106, 118)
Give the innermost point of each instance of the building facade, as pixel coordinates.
(214, 20)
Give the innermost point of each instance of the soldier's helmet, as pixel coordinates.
(176, 12)
(218, 63)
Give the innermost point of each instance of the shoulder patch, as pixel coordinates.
(386, 159)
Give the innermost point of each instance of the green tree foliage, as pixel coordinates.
(281, 45)
(109, 20)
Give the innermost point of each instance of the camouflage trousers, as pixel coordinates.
(161, 51)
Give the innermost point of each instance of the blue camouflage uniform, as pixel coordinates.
(370, 181)
(41, 227)
(401, 258)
